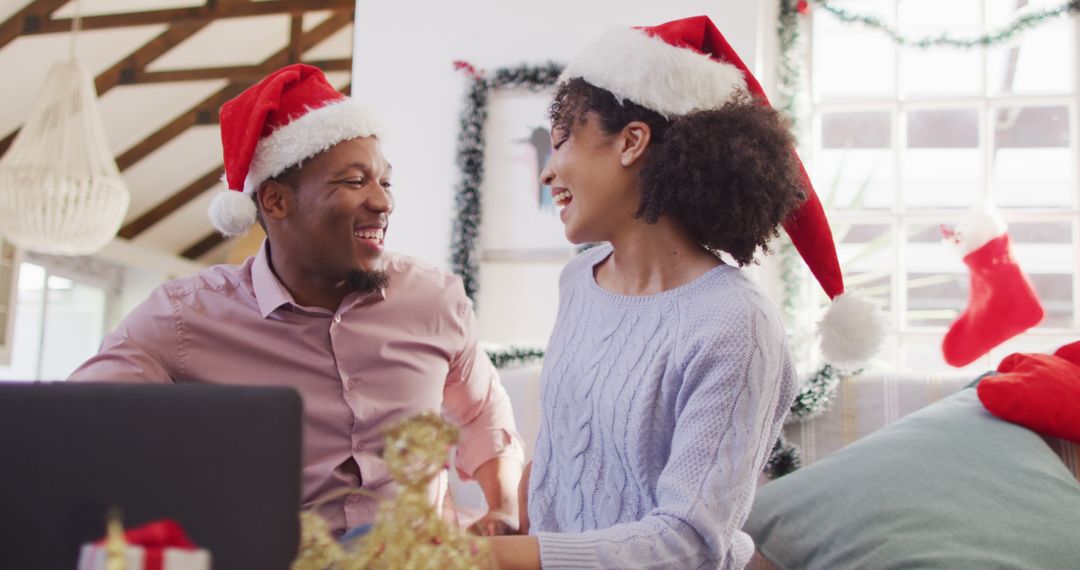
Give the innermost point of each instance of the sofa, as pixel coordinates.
(868, 467)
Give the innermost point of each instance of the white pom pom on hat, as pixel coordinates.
(232, 212)
(292, 114)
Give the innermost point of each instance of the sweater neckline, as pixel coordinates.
(605, 251)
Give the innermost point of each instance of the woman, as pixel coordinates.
(668, 375)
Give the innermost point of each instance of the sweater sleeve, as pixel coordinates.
(725, 423)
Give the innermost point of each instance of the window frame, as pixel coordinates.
(899, 217)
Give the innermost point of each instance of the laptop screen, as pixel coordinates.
(224, 461)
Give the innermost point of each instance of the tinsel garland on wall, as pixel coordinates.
(507, 356)
(815, 395)
(464, 253)
(1001, 35)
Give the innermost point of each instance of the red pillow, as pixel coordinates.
(1070, 352)
(1038, 391)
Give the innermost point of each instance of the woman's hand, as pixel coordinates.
(495, 523)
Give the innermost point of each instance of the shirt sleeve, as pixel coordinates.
(725, 424)
(143, 348)
(476, 402)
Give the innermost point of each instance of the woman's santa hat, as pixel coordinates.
(687, 65)
(291, 115)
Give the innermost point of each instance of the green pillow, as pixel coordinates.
(949, 486)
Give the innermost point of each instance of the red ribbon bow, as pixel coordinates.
(154, 538)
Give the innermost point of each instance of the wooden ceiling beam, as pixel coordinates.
(250, 73)
(201, 113)
(296, 33)
(172, 203)
(29, 20)
(201, 247)
(210, 11)
(133, 63)
(206, 111)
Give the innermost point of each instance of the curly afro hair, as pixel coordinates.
(730, 175)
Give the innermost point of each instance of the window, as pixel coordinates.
(903, 141)
(60, 319)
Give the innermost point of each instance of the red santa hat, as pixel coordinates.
(687, 65)
(291, 115)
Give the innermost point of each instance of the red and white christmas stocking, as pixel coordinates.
(1002, 303)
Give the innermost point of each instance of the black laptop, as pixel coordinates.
(223, 461)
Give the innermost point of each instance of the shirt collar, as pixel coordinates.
(271, 294)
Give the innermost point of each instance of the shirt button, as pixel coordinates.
(359, 447)
(350, 384)
(337, 319)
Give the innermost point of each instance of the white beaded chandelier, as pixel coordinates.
(60, 189)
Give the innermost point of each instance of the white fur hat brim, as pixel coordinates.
(670, 80)
(233, 211)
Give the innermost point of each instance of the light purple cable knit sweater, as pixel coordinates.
(659, 412)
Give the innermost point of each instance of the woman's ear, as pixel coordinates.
(273, 199)
(634, 139)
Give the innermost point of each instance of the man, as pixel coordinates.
(365, 336)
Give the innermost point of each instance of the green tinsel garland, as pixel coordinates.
(783, 459)
(504, 357)
(464, 254)
(1001, 35)
(815, 396)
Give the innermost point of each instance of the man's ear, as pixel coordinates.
(275, 199)
(633, 140)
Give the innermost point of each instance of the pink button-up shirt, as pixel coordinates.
(380, 357)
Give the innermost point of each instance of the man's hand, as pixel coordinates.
(498, 478)
(495, 523)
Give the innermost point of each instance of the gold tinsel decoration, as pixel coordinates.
(115, 543)
(408, 534)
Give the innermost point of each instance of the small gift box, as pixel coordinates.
(160, 545)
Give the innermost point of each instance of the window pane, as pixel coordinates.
(74, 321)
(922, 353)
(942, 167)
(1044, 59)
(1032, 161)
(867, 256)
(1047, 256)
(1040, 343)
(936, 282)
(940, 71)
(27, 331)
(841, 72)
(853, 168)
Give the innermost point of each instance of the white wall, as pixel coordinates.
(402, 67)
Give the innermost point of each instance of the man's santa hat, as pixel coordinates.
(291, 115)
(687, 65)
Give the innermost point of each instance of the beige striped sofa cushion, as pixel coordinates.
(872, 401)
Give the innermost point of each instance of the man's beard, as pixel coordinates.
(366, 281)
